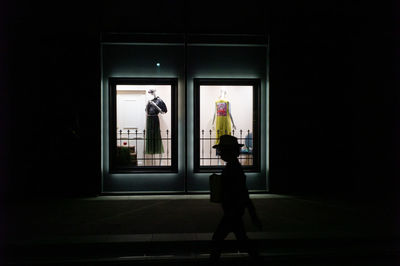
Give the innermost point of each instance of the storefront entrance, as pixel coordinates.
(165, 104)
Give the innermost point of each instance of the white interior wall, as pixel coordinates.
(163, 91)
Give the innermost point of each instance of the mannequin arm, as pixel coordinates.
(213, 121)
(230, 114)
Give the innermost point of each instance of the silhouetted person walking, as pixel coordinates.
(235, 199)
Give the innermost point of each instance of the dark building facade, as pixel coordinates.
(332, 98)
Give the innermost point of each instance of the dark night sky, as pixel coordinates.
(333, 93)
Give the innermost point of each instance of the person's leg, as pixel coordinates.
(223, 229)
(244, 242)
(240, 233)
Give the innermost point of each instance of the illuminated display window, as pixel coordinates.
(143, 131)
(226, 107)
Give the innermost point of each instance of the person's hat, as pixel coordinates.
(227, 141)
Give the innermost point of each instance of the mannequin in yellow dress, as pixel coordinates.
(222, 119)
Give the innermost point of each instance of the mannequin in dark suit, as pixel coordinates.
(153, 136)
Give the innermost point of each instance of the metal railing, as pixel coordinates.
(134, 141)
(210, 157)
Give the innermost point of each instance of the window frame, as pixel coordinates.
(256, 84)
(113, 82)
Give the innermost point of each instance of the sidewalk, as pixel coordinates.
(183, 224)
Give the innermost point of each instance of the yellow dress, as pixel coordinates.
(223, 123)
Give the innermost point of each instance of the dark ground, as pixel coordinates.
(176, 230)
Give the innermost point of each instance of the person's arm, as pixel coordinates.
(250, 207)
(253, 214)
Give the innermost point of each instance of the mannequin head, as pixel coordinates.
(152, 92)
(222, 93)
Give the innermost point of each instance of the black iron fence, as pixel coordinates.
(210, 157)
(135, 141)
(131, 148)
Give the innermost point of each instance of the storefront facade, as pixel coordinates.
(166, 99)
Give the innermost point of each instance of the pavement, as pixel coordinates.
(177, 229)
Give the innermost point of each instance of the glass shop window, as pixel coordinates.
(143, 125)
(226, 107)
